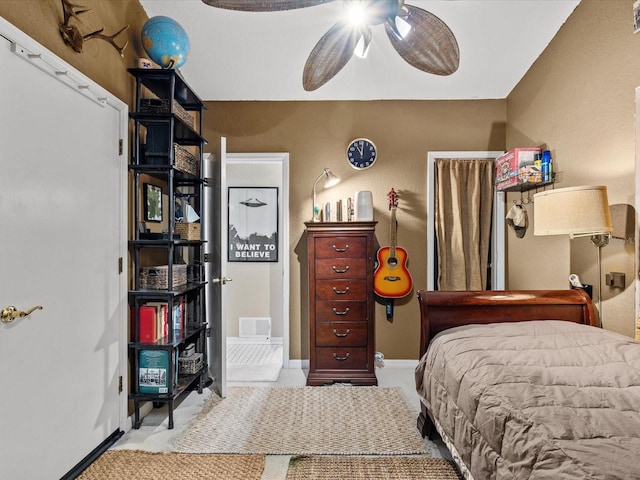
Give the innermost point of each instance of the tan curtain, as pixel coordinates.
(463, 203)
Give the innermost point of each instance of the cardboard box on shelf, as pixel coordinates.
(516, 167)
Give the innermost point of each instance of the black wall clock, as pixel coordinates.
(361, 153)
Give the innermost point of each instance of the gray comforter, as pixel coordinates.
(536, 400)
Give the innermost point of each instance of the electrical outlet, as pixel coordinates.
(615, 279)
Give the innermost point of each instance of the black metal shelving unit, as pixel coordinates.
(161, 130)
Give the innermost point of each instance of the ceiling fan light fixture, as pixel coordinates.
(403, 28)
(364, 42)
(432, 47)
(357, 14)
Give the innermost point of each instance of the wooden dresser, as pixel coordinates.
(341, 304)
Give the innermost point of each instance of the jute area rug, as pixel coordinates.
(338, 420)
(139, 465)
(370, 468)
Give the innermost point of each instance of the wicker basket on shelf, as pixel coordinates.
(162, 105)
(188, 231)
(183, 115)
(191, 364)
(184, 160)
(155, 105)
(157, 278)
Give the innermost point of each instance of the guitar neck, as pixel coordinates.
(394, 228)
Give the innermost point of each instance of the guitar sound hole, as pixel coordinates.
(392, 262)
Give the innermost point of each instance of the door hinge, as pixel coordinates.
(120, 267)
(120, 146)
(120, 384)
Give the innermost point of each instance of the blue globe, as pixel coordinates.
(165, 41)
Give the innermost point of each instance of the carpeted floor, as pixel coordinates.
(328, 467)
(338, 420)
(138, 465)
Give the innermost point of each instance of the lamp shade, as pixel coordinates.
(576, 211)
(330, 179)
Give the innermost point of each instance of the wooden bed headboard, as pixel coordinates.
(440, 310)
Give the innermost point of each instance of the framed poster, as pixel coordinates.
(253, 224)
(152, 203)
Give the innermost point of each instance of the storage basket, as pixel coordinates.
(188, 231)
(182, 114)
(156, 277)
(191, 364)
(184, 160)
(163, 105)
(154, 105)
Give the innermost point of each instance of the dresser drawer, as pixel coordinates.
(340, 247)
(341, 289)
(341, 311)
(338, 358)
(341, 334)
(340, 268)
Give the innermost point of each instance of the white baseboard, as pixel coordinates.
(255, 341)
(297, 363)
(389, 363)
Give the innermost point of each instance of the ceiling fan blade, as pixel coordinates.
(430, 46)
(330, 54)
(263, 5)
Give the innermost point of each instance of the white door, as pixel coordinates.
(62, 216)
(215, 251)
(498, 254)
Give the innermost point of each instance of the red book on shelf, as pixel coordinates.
(147, 324)
(162, 325)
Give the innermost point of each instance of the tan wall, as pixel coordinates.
(316, 135)
(98, 60)
(578, 100)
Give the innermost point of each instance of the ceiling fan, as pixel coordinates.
(421, 38)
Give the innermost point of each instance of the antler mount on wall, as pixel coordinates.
(73, 37)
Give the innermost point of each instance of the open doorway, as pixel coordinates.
(257, 302)
(497, 252)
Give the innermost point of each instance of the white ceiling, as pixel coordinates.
(261, 56)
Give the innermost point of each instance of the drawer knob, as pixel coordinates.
(341, 359)
(341, 250)
(341, 335)
(344, 312)
(341, 292)
(337, 270)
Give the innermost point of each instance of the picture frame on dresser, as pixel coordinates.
(152, 202)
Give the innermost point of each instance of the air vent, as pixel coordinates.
(255, 327)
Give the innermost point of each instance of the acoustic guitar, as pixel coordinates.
(391, 278)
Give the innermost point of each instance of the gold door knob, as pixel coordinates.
(10, 313)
